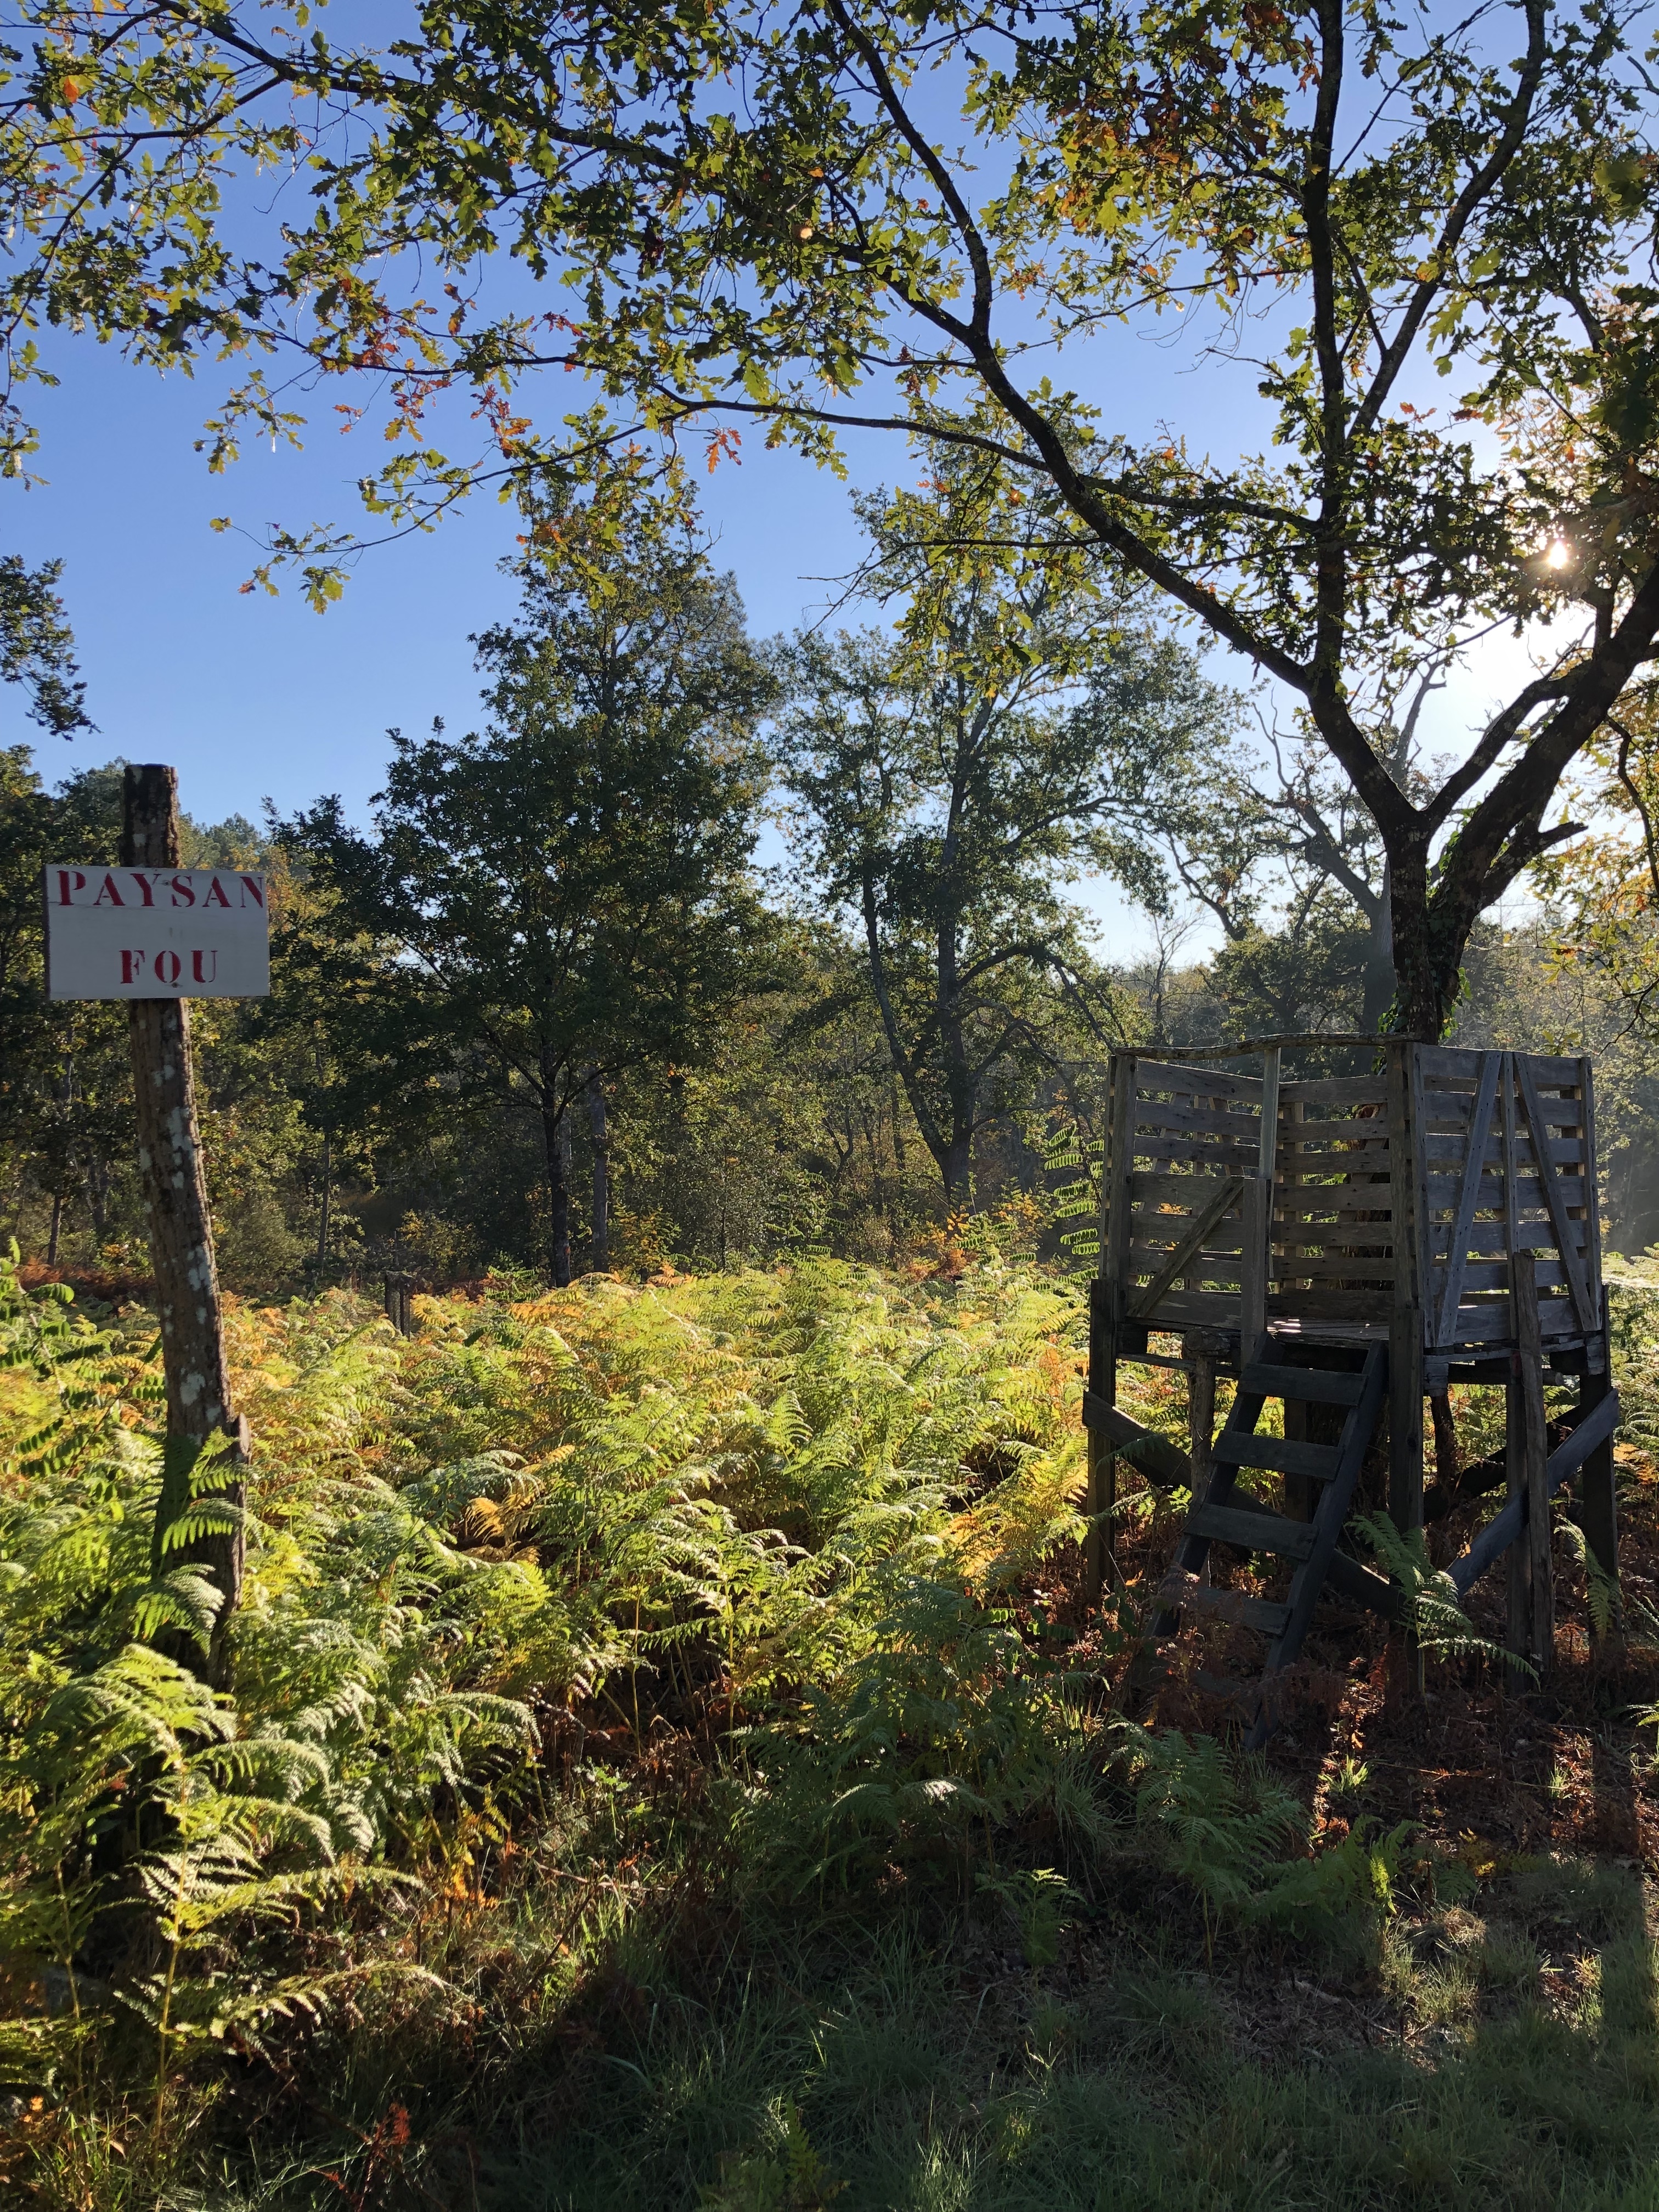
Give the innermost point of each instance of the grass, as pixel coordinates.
(667, 1763)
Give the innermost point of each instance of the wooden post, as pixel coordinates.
(1201, 1423)
(1106, 1319)
(1534, 1455)
(399, 1302)
(1405, 1333)
(181, 1244)
(1519, 1637)
(1598, 1512)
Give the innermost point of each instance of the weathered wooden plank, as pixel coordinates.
(1589, 1316)
(1179, 1309)
(1148, 1189)
(1553, 1074)
(1203, 1082)
(1347, 1578)
(1438, 1062)
(1157, 1459)
(1252, 1531)
(1179, 1592)
(1334, 1268)
(1559, 1152)
(1339, 1091)
(1279, 1454)
(1442, 1191)
(1494, 1275)
(1490, 1238)
(1314, 1386)
(1320, 1302)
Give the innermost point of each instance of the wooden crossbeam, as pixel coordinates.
(1231, 1192)
(1592, 1429)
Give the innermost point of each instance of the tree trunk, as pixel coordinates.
(956, 1167)
(57, 1223)
(556, 1138)
(596, 1123)
(323, 1209)
(1380, 986)
(181, 1247)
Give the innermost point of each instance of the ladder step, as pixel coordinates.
(1233, 1448)
(1313, 1386)
(1232, 1605)
(1256, 1532)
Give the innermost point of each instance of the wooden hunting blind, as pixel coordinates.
(1343, 1246)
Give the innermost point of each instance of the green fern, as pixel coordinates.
(1433, 1610)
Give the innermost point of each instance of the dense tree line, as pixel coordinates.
(556, 1006)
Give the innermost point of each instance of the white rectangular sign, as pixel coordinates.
(157, 934)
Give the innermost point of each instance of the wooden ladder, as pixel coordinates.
(1220, 1516)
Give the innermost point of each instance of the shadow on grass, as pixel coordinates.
(871, 2082)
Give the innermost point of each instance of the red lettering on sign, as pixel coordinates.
(107, 891)
(138, 878)
(182, 893)
(216, 893)
(64, 875)
(196, 960)
(132, 966)
(254, 890)
(169, 967)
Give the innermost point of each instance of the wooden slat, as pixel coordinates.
(1589, 1317)
(1148, 1190)
(1157, 1459)
(1314, 1386)
(1559, 1152)
(1319, 1303)
(1489, 1239)
(1551, 1073)
(1438, 1062)
(1179, 1309)
(1451, 1289)
(1252, 1532)
(1339, 1090)
(1442, 1191)
(1348, 1579)
(1259, 1613)
(1367, 1240)
(1156, 1114)
(1278, 1455)
(1205, 1082)
(1334, 1268)
(1494, 1274)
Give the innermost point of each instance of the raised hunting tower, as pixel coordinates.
(1346, 1246)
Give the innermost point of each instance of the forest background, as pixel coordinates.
(549, 1014)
